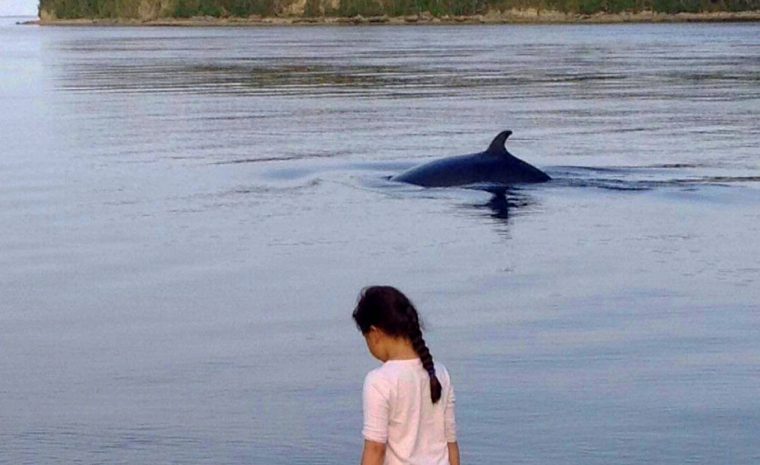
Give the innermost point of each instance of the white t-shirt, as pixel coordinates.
(398, 411)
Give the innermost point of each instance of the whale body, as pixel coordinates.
(493, 166)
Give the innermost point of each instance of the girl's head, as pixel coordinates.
(386, 309)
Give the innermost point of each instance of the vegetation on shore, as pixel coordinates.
(151, 10)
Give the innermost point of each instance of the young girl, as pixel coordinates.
(408, 401)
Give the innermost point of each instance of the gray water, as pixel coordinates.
(187, 215)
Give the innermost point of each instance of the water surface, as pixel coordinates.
(186, 216)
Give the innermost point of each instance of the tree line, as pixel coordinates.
(142, 9)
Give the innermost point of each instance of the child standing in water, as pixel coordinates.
(408, 401)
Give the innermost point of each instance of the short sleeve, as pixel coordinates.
(450, 422)
(376, 406)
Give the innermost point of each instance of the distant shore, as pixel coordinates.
(528, 16)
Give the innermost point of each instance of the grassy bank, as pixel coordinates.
(508, 17)
(203, 12)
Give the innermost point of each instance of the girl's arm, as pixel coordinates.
(374, 453)
(453, 453)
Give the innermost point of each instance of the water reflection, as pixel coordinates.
(306, 76)
(502, 205)
(524, 69)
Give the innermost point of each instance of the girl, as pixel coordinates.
(408, 401)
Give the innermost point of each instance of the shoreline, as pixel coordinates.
(529, 16)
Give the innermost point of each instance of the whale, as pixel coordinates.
(495, 165)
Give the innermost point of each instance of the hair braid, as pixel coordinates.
(418, 343)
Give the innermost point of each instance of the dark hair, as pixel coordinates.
(387, 308)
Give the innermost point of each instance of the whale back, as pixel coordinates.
(495, 165)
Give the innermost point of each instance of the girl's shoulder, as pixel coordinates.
(388, 372)
(442, 373)
(392, 370)
(378, 381)
(383, 372)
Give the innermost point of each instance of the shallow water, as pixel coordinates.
(186, 216)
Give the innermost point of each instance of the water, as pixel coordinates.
(187, 215)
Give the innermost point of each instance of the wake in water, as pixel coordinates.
(679, 176)
(505, 201)
(643, 178)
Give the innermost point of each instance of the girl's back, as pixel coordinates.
(398, 412)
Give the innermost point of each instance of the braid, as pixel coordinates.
(418, 343)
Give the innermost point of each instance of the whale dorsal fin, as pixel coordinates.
(497, 144)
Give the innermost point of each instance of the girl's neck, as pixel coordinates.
(400, 349)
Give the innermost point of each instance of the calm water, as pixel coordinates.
(186, 216)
